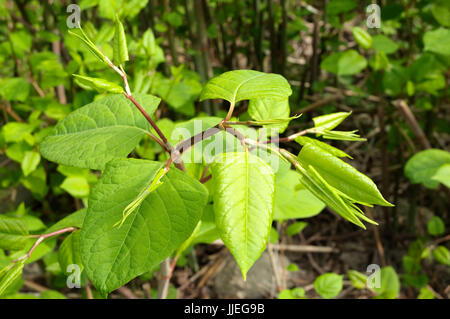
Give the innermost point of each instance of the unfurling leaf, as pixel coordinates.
(120, 44)
(97, 84)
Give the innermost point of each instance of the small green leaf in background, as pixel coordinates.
(328, 285)
(292, 267)
(389, 284)
(243, 204)
(437, 41)
(436, 226)
(97, 84)
(359, 280)
(295, 228)
(273, 236)
(425, 293)
(14, 89)
(441, 12)
(344, 63)
(76, 186)
(120, 44)
(442, 255)
(294, 293)
(13, 233)
(422, 166)
(443, 175)
(361, 37)
(382, 43)
(30, 162)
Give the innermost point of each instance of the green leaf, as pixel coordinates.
(344, 63)
(52, 294)
(72, 220)
(437, 41)
(12, 272)
(243, 205)
(382, 43)
(30, 162)
(342, 176)
(13, 233)
(422, 166)
(120, 44)
(425, 293)
(90, 45)
(14, 89)
(293, 202)
(443, 175)
(328, 285)
(294, 293)
(442, 255)
(335, 7)
(96, 133)
(112, 256)
(76, 186)
(235, 86)
(97, 84)
(268, 109)
(295, 228)
(389, 284)
(303, 140)
(436, 226)
(69, 252)
(358, 279)
(330, 121)
(362, 37)
(441, 12)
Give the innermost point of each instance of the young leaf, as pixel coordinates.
(328, 285)
(436, 226)
(113, 256)
(389, 284)
(303, 140)
(361, 37)
(330, 121)
(358, 279)
(90, 45)
(97, 84)
(243, 204)
(342, 176)
(30, 162)
(443, 175)
(120, 44)
(235, 86)
(442, 255)
(13, 233)
(262, 109)
(96, 133)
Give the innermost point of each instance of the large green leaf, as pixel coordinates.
(235, 86)
(422, 167)
(292, 200)
(13, 233)
(342, 176)
(270, 109)
(243, 204)
(164, 220)
(328, 285)
(98, 132)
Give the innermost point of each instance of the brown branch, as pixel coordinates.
(412, 122)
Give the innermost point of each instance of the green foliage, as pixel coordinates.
(328, 285)
(389, 284)
(243, 205)
(164, 220)
(422, 167)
